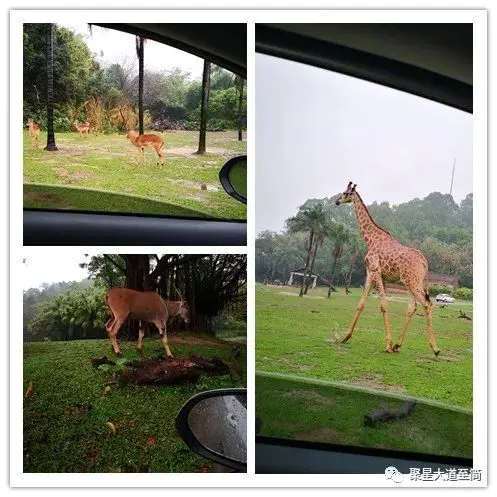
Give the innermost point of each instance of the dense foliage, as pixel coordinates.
(436, 225)
(107, 95)
(213, 285)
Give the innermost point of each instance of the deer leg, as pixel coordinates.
(360, 307)
(113, 331)
(160, 153)
(163, 332)
(411, 309)
(141, 334)
(384, 309)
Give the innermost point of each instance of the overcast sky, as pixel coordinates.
(116, 45)
(38, 268)
(317, 130)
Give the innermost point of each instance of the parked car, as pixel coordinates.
(444, 298)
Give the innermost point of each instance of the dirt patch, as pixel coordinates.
(446, 358)
(373, 380)
(308, 395)
(194, 185)
(191, 151)
(322, 434)
(42, 197)
(70, 176)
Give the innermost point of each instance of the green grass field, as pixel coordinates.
(298, 342)
(106, 173)
(62, 435)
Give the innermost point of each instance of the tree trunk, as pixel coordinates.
(206, 83)
(137, 269)
(331, 277)
(309, 250)
(140, 51)
(50, 92)
(312, 265)
(240, 109)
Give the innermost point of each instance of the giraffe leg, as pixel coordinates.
(411, 309)
(360, 307)
(427, 305)
(141, 334)
(384, 309)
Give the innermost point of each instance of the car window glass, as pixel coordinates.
(411, 160)
(90, 156)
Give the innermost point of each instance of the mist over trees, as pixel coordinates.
(85, 90)
(436, 225)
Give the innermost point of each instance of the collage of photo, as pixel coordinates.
(248, 249)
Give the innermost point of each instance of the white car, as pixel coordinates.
(445, 298)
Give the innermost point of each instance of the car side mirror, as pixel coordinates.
(213, 424)
(233, 177)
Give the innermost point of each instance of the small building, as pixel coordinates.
(297, 274)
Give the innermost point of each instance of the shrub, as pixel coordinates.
(436, 289)
(463, 293)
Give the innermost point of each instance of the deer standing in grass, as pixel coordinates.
(34, 133)
(148, 140)
(387, 258)
(148, 307)
(82, 129)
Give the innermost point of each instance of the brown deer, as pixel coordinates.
(148, 307)
(34, 133)
(148, 140)
(82, 129)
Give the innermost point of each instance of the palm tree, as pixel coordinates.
(239, 82)
(50, 92)
(340, 233)
(140, 42)
(206, 83)
(312, 219)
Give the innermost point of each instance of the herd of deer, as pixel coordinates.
(140, 141)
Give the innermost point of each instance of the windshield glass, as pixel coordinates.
(411, 162)
(129, 125)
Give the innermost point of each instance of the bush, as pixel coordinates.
(219, 125)
(436, 289)
(463, 293)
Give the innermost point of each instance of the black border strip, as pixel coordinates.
(191, 440)
(365, 451)
(363, 65)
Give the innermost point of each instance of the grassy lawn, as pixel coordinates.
(61, 434)
(323, 413)
(301, 337)
(106, 173)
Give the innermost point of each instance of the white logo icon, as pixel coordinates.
(392, 473)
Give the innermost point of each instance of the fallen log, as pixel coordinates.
(170, 371)
(384, 414)
(463, 315)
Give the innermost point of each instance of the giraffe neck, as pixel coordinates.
(370, 231)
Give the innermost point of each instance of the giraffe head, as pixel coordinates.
(348, 195)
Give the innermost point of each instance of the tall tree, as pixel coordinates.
(206, 82)
(239, 85)
(50, 91)
(311, 219)
(140, 42)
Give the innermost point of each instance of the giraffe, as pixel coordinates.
(387, 258)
